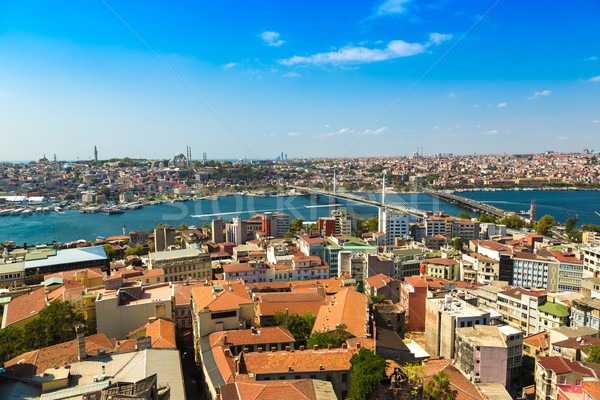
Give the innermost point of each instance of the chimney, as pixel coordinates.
(329, 346)
(358, 345)
(260, 350)
(273, 349)
(245, 350)
(316, 347)
(227, 352)
(290, 368)
(287, 348)
(301, 348)
(80, 330)
(344, 345)
(225, 339)
(237, 365)
(142, 343)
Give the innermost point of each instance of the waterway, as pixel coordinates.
(70, 225)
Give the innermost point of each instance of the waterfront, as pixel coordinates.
(70, 225)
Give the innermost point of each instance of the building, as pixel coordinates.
(327, 226)
(519, 308)
(444, 268)
(266, 338)
(289, 389)
(480, 353)
(179, 265)
(20, 310)
(414, 291)
(485, 269)
(138, 237)
(283, 223)
(330, 365)
(343, 222)
(349, 308)
(591, 261)
(121, 311)
(47, 260)
(236, 231)
(552, 315)
(550, 372)
(443, 317)
(394, 224)
(215, 309)
(531, 271)
(216, 228)
(164, 238)
(586, 312)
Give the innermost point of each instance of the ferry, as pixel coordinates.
(113, 211)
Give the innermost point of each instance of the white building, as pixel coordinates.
(394, 224)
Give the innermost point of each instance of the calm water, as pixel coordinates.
(71, 225)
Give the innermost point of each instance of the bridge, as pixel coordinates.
(469, 204)
(404, 207)
(400, 206)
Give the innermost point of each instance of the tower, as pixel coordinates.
(95, 154)
(204, 158)
(124, 231)
(188, 156)
(334, 181)
(532, 211)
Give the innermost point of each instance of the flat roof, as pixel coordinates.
(163, 255)
(43, 258)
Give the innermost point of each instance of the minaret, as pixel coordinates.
(124, 232)
(95, 154)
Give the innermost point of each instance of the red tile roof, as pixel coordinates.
(560, 365)
(264, 335)
(298, 361)
(25, 306)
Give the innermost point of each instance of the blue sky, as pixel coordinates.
(310, 79)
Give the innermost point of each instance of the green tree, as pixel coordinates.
(289, 234)
(513, 222)
(135, 251)
(205, 225)
(438, 388)
(544, 225)
(105, 191)
(110, 253)
(372, 224)
(487, 218)
(300, 326)
(297, 225)
(182, 227)
(464, 215)
(324, 338)
(314, 227)
(458, 244)
(570, 224)
(593, 354)
(55, 324)
(379, 299)
(415, 373)
(367, 370)
(528, 371)
(11, 343)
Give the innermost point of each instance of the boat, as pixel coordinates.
(26, 213)
(5, 212)
(113, 211)
(212, 198)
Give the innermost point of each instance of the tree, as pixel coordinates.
(464, 215)
(314, 227)
(11, 343)
(415, 373)
(438, 388)
(205, 225)
(300, 326)
(55, 324)
(528, 371)
(323, 339)
(182, 227)
(487, 218)
(378, 299)
(513, 222)
(367, 370)
(105, 191)
(361, 227)
(570, 224)
(372, 224)
(297, 225)
(135, 251)
(593, 354)
(458, 244)
(544, 225)
(110, 253)
(289, 234)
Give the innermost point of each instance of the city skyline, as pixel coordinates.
(310, 80)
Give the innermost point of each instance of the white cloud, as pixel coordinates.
(592, 58)
(437, 38)
(594, 79)
(595, 121)
(475, 105)
(293, 134)
(492, 132)
(376, 131)
(392, 7)
(359, 55)
(503, 104)
(291, 75)
(272, 38)
(562, 137)
(335, 133)
(537, 95)
(437, 128)
(452, 94)
(229, 65)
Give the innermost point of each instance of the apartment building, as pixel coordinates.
(550, 372)
(394, 224)
(164, 238)
(179, 265)
(519, 308)
(476, 268)
(444, 268)
(585, 312)
(591, 261)
(443, 317)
